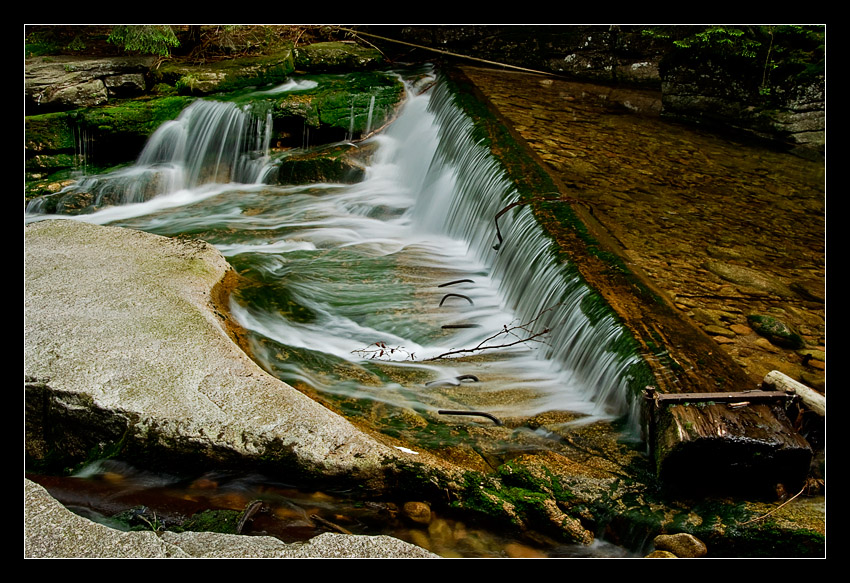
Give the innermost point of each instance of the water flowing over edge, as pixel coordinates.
(458, 189)
(533, 284)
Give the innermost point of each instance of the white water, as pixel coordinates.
(209, 143)
(366, 260)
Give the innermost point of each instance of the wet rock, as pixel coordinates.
(338, 164)
(682, 545)
(740, 329)
(63, 83)
(205, 391)
(808, 292)
(775, 330)
(661, 555)
(337, 56)
(418, 512)
(765, 345)
(750, 278)
(720, 331)
(812, 354)
(567, 523)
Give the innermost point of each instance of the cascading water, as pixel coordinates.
(353, 278)
(463, 203)
(210, 142)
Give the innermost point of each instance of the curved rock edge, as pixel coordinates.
(121, 326)
(52, 531)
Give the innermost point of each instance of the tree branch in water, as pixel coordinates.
(522, 333)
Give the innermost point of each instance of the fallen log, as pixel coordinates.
(812, 400)
(725, 441)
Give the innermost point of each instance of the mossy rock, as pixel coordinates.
(337, 56)
(227, 75)
(120, 130)
(345, 102)
(138, 118)
(776, 331)
(221, 521)
(337, 164)
(50, 132)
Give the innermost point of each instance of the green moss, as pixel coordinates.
(221, 521)
(137, 117)
(336, 56)
(770, 541)
(276, 299)
(228, 75)
(776, 331)
(345, 102)
(516, 473)
(52, 141)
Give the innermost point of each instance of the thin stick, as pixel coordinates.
(480, 347)
(330, 524)
(763, 516)
(493, 418)
(248, 513)
(448, 53)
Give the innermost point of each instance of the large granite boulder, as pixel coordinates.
(125, 345)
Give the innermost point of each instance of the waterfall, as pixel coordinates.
(346, 266)
(461, 196)
(210, 142)
(369, 119)
(82, 147)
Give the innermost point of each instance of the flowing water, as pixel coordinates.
(381, 298)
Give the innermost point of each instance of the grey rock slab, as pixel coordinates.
(125, 319)
(52, 531)
(324, 546)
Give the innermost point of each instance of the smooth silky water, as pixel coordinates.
(379, 298)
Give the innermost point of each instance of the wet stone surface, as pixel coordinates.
(725, 228)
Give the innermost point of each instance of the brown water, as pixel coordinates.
(149, 501)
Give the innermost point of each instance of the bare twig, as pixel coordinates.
(526, 327)
(467, 298)
(329, 524)
(456, 281)
(248, 514)
(491, 347)
(382, 351)
(763, 516)
(567, 199)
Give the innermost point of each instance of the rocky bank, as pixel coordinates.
(124, 340)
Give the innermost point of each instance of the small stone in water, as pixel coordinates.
(418, 512)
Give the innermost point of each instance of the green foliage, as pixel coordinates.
(145, 39)
(731, 41)
(40, 43)
(771, 56)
